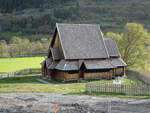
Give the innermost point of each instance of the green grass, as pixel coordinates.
(30, 84)
(14, 64)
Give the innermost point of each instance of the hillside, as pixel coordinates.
(40, 17)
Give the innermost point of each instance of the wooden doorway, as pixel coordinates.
(82, 70)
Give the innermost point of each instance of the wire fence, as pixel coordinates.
(119, 89)
(27, 55)
(20, 72)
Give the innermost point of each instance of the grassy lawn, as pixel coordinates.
(14, 64)
(29, 83)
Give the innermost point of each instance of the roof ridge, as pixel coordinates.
(104, 42)
(60, 40)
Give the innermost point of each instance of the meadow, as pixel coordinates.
(30, 84)
(14, 64)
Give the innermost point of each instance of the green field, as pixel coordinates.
(29, 83)
(14, 64)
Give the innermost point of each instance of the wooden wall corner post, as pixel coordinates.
(114, 72)
(124, 71)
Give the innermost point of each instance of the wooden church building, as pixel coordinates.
(79, 51)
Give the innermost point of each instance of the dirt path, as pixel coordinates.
(45, 103)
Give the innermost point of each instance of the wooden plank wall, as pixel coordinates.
(65, 76)
(119, 71)
(60, 75)
(98, 75)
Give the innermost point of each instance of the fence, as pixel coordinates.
(20, 72)
(20, 56)
(118, 89)
(142, 76)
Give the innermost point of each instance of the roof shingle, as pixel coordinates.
(82, 41)
(112, 47)
(117, 62)
(98, 64)
(67, 65)
(56, 53)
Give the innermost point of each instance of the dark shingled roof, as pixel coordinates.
(98, 64)
(48, 62)
(89, 64)
(83, 44)
(67, 65)
(112, 47)
(55, 53)
(117, 62)
(82, 41)
(52, 65)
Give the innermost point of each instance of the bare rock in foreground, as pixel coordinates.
(50, 102)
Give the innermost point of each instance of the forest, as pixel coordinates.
(26, 26)
(27, 18)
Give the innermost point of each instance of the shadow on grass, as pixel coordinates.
(21, 79)
(30, 79)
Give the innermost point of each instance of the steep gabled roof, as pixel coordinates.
(56, 53)
(82, 41)
(111, 46)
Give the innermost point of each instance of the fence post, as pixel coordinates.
(90, 91)
(20, 72)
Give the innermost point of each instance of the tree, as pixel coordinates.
(21, 45)
(13, 50)
(3, 48)
(38, 47)
(132, 43)
(16, 42)
(24, 46)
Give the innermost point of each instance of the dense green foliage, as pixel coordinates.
(14, 64)
(28, 17)
(23, 47)
(133, 43)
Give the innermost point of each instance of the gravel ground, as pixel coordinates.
(48, 102)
